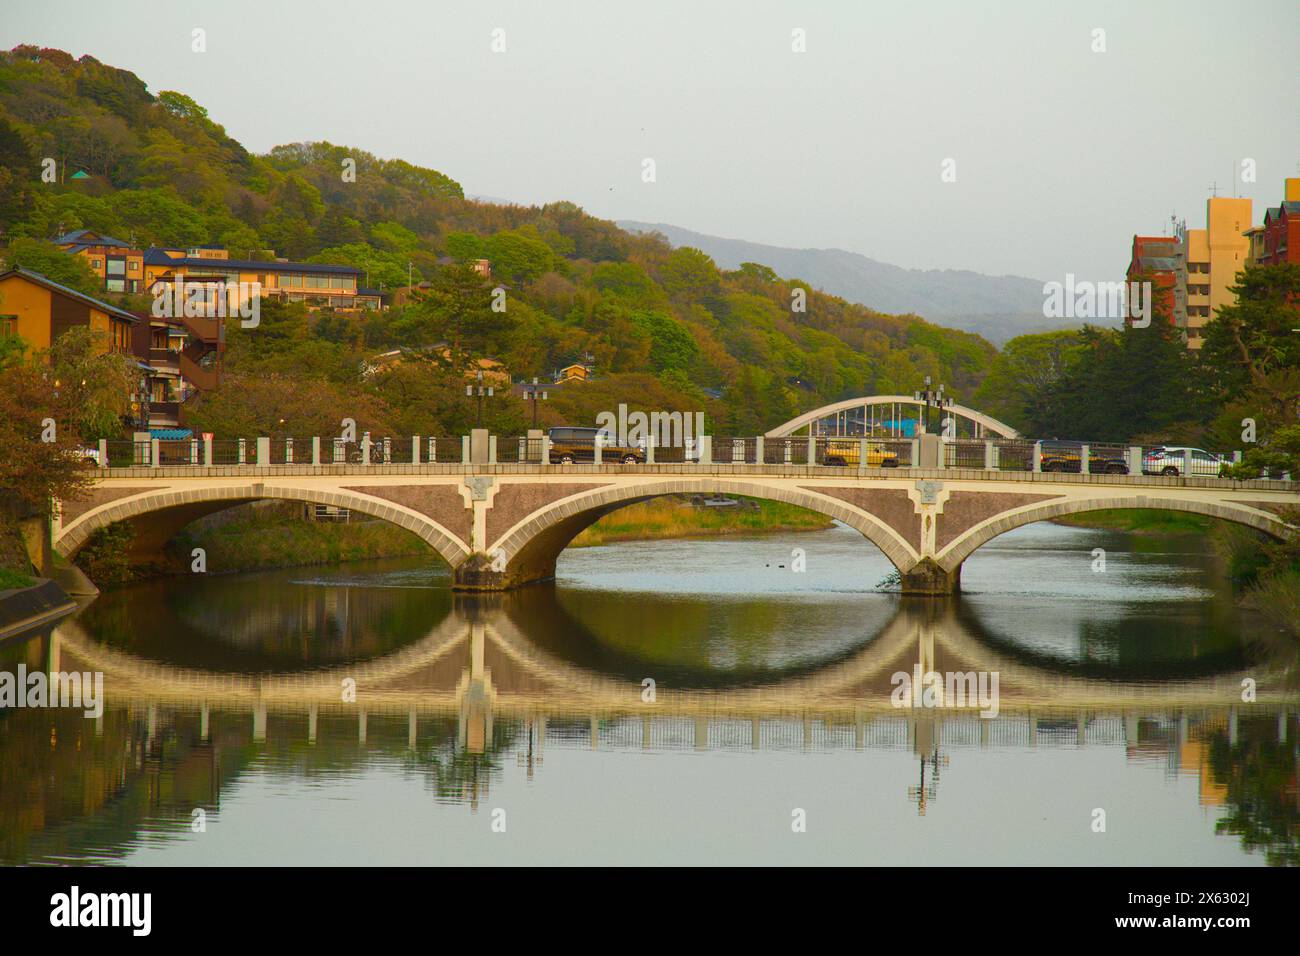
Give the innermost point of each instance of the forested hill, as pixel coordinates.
(660, 324)
(996, 307)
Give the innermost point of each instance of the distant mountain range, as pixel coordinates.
(996, 307)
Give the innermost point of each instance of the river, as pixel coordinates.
(684, 701)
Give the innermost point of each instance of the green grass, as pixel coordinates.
(676, 518)
(278, 538)
(1152, 521)
(11, 580)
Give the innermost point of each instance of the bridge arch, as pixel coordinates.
(531, 547)
(856, 416)
(170, 510)
(1239, 512)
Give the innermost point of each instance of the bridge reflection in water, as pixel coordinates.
(475, 694)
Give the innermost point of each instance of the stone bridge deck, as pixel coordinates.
(503, 525)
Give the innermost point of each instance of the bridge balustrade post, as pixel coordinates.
(546, 449)
(492, 449)
(464, 449)
(596, 448)
(862, 455)
(1037, 465)
(758, 450)
(1187, 463)
(415, 449)
(433, 450)
(1135, 459)
(263, 451)
(103, 453)
(315, 451)
(388, 451)
(812, 448)
(153, 453)
(288, 451)
(916, 453)
(990, 456)
(194, 451)
(243, 451)
(207, 451)
(1085, 459)
(705, 449)
(365, 448)
(650, 449)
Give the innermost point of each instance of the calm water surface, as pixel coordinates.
(1119, 690)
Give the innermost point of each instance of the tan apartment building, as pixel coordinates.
(1208, 261)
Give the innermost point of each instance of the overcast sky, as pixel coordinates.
(1061, 153)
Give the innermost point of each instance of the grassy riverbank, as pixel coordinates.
(673, 517)
(278, 536)
(1144, 521)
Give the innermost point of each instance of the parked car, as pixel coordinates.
(1066, 456)
(848, 452)
(89, 456)
(1171, 461)
(570, 445)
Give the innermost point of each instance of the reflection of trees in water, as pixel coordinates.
(1115, 641)
(70, 794)
(1263, 783)
(260, 624)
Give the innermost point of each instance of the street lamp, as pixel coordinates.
(482, 390)
(935, 398)
(532, 393)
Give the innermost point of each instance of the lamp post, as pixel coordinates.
(481, 391)
(932, 397)
(534, 394)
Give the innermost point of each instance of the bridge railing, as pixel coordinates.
(850, 452)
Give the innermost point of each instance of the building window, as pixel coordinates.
(116, 267)
(8, 326)
(94, 264)
(115, 285)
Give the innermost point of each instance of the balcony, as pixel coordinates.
(164, 359)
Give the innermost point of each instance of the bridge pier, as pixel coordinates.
(926, 577)
(479, 572)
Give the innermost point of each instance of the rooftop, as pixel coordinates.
(81, 297)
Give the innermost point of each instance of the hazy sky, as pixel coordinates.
(1061, 153)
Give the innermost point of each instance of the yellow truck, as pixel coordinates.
(847, 451)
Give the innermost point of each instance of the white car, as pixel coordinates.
(1171, 461)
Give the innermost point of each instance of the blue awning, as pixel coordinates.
(170, 434)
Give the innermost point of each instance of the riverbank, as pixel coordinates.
(1141, 521)
(675, 517)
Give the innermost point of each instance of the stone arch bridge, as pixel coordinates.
(503, 525)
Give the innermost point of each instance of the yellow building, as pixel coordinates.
(39, 310)
(1208, 262)
(1226, 221)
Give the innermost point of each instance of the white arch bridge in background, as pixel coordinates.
(891, 415)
